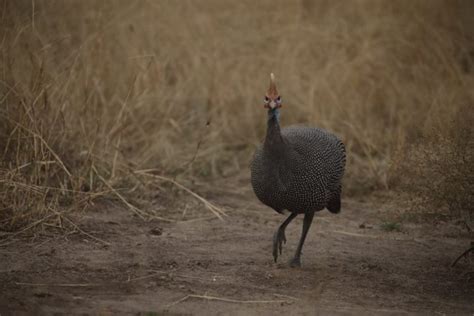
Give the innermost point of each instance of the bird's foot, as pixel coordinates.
(295, 262)
(278, 240)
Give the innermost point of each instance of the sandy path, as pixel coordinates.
(149, 267)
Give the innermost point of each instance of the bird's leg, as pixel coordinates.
(279, 238)
(308, 219)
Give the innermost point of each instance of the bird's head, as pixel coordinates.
(272, 99)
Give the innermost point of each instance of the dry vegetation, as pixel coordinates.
(93, 91)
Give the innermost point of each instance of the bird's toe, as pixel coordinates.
(295, 262)
(278, 239)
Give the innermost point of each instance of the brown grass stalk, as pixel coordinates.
(90, 91)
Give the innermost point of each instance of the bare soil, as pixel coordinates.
(202, 265)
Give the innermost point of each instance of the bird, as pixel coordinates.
(297, 169)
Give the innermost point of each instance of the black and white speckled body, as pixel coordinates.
(298, 168)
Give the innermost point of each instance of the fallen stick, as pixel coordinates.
(229, 300)
(84, 232)
(59, 284)
(214, 209)
(462, 255)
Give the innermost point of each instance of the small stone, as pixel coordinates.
(157, 231)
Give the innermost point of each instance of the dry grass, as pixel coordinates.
(438, 169)
(92, 91)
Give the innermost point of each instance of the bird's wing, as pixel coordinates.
(288, 169)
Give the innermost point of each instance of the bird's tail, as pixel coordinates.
(334, 204)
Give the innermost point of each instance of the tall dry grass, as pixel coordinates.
(93, 90)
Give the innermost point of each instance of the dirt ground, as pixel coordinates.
(202, 265)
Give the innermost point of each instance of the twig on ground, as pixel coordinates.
(170, 274)
(354, 234)
(229, 300)
(144, 277)
(287, 296)
(196, 219)
(82, 231)
(59, 284)
(462, 255)
(214, 209)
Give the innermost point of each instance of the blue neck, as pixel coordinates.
(273, 140)
(274, 115)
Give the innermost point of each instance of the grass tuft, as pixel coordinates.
(91, 92)
(390, 227)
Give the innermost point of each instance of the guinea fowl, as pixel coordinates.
(298, 169)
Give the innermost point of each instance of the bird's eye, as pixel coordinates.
(266, 99)
(278, 100)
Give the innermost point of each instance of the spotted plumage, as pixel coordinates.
(298, 169)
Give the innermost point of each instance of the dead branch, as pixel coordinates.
(229, 300)
(462, 255)
(214, 209)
